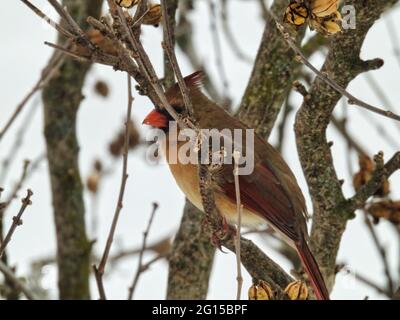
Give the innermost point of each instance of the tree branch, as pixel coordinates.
(16, 222)
(100, 270)
(191, 258)
(10, 275)
(342, 64)
(141, 266)
(375, 182)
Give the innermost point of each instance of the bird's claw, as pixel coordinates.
(297, 290)
(221, 231)
(216, 241)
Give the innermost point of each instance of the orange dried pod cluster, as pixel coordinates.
(367, 167)
(321, 15)
(297, 290)
(261, 291)
(385, 209)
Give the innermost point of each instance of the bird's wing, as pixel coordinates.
(262, 193)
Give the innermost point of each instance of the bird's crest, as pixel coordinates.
(194, 80)
(194, 83)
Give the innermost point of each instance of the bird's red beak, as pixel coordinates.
(156, 119)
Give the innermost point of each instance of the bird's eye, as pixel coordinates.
(178, 108)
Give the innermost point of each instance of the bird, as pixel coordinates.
(269, 195)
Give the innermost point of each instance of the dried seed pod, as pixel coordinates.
(323, 8)
(98, 39)
(153, 16)
(386, 209)
(116, 147)
(296, 13)
(297, 290)
(367, 168)
(98, 166)
(327, 25)
(384, 190)
(322, 15)
(101, 88)
(126, 3)
(93, 181)
(261, 291)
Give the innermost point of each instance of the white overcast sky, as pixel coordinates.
(22, 57)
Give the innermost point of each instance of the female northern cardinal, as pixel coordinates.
(270, 194)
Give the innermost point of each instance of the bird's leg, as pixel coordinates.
(297, 290)
(220, 230)
(216, 241)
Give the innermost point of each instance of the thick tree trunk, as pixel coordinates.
(61, 99)
(192, 258)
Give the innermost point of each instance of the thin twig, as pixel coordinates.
(352, 99)
(100, 270)
(381, 171)
(391, 28)
(287, 109)
(169, 49)
(74, 27)
(264, 9)
(239, 208)
(166, 241)
(18, 139)
(118, 256)
(16, 222)
(68, 52)
(379, 92)
(140, 19)
(17, 186)
(146, 67)
(46, 75)
(340, 126)
(141, 267)
(148, 264)
(368, 282)
(382, 253)
(48, 20)
(184, 39)
(10, 275)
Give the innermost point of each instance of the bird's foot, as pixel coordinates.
(297, 290)
(261, 291)
(221, 231)
(216, 240)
